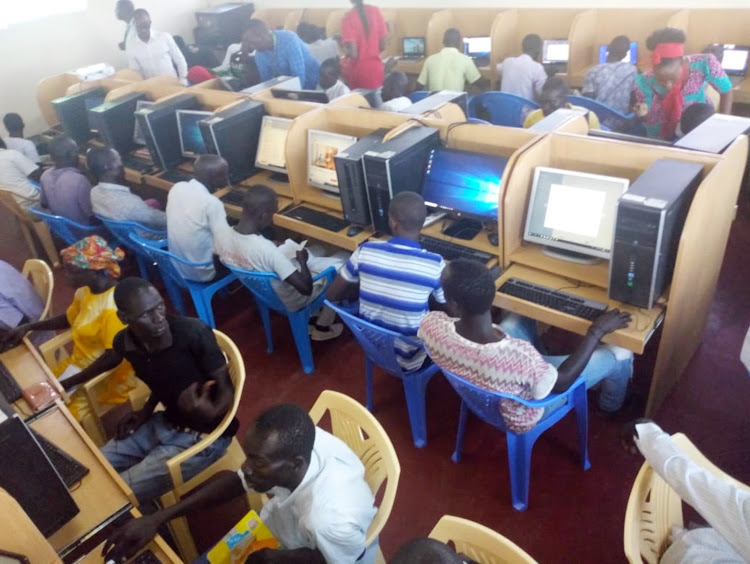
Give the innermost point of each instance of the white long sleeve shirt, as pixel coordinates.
(157, 57)
(725, 507)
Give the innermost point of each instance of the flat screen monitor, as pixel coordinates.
(91, 103)
(317, 96)
(573, 212)
(73, 112)
(413, 47)
(322, 146)
(159, 126)
(464, 183)
(138, 138)
(734, 59)
(555, 51)
(191, 138)
(272, 144)
(477, 46)
(631, 57)
(115, 121)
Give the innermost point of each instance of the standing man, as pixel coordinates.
(450, 69)
(194, 216)
(280, 53)
(124, 10)
(65, 190)
(15, 140)
(154, 53)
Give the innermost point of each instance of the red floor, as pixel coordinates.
(573, 516)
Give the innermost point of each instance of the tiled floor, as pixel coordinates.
(573, 516)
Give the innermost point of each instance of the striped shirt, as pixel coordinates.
(396, 279)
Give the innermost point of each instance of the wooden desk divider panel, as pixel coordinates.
(155, 88)
(274, 18)
(333, 22)
(408, 22)
(472, 22)
(51, 88)
(108, 84)
(315, 16)
(593, 28)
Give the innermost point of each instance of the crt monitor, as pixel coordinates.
(555, 51)
(413, 47)
(138, 138)
(573, 212)
(73, 112)
(301, 95)
(734, 59)
(115, 121)
(631, 57)
(272, 144)
(159, 126)
(322, 146)
(191, 138)
(464, 183)
(477, 46)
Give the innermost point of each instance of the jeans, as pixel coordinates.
(141, 458)
(609, 366)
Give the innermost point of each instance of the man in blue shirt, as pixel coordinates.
(280, 53)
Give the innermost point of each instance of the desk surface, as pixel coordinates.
(27, 368)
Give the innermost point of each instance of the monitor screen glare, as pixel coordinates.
(414, 46)
(191, 138)
(734, 59)
(464, 183)
(322, 146)
(272, 144)
(477, 46)
(555, 51)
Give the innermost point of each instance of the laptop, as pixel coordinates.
(734, 60)
(413, 48)
(555, 51)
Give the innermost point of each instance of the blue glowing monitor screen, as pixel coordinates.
(463, 182)
(191, 138)
(631, 57)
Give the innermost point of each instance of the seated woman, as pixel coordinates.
(505, 358)
(675, 82)
(93, 269)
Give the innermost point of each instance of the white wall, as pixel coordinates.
(38, 49)
(510, 3)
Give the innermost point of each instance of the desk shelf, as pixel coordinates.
(312, 231)
(534, 256)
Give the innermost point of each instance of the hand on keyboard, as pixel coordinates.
(609, 322)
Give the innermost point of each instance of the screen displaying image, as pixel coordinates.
(555, 51)
(414, 46)
(631, 57)
(137, 133)
(191, 138)
(734, 60)
(477, 46)
(272, 144)
(321, 148)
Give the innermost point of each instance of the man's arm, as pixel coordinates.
(725, 102)
(109, 360)
(341, 289)
(301, 279)
(178, 58)
(209, 402)
(13, 337)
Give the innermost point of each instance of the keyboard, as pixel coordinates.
(451, 251)
(71, 471)
(175, 176)
(318, 218)
(279, 177)
(8, 385)
(136, 163)
(553, 299)
(233, 197)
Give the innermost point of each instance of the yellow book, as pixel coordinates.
(246, 537)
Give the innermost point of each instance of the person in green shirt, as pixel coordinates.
(449, 69)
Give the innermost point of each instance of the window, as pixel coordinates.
(19, 11)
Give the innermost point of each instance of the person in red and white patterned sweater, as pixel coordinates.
(470, 345)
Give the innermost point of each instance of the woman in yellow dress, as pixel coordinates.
(92, 267)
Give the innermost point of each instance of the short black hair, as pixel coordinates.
(620, 45)
(694, 115)
(256, 26)
(13, 122)
(258, 197)
(333, 63)
(425, 551)
(127, 3)
(63, 148)
(295, 429)
(532, 44)
(665, 35)
(97, 160)
(469, 284)
(556, 84)
(408, 209)
(127, 288)
(451, 36)
(141, 12)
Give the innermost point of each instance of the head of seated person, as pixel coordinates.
(618, 49)
(426, 551)
(330, 73)
(64, 152)
(667, 55)
(554, 95)
(531, 45)
(258, 208)
(406, 215)
(453, 38)
(14, 124)
(212, 171)
(142, 309)
(395, 85)
(694, 115)
(469, 291)
(106, 165)
(257, 37)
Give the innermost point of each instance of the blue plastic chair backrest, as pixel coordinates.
(418, 95)
(608, 116)
(157, 251)
(259, 283)
(69, 231)
(121, 230)
(502, 108)
(377, 342)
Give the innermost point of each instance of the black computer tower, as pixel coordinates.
(437, 99)
(648, 226)
(394, 166)
(73, 113)
(224, 24)
(115, 122)
(159, 126)
(351, 175)
(233, 135)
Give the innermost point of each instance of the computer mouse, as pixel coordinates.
(353, 230)
(493, 238)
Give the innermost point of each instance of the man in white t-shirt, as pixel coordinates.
(15, 140)
(394, 92)
(194, 216)
(16, 174)
(330, 79)
(321, 506)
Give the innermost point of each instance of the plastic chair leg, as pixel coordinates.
(45, 238)
(415, 388)
(580, 402)
(28, 238)
(265, 316)
(298, 321)
(368, 383)
(519, 460)
(462, 418)
(202, 308)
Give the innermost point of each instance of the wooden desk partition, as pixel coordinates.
(408, 22)
(155, 88)
(51, 88)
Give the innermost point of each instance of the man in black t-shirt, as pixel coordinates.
(180, 361)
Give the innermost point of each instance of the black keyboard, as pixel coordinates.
(553, 299)
(136, 163)
(279, 177)
(175, 176)
(8, 385)
(318, 218)
(71, 471)
(233, 197)
(451, 251)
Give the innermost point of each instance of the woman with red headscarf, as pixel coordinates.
(675, 82)
(363, 33)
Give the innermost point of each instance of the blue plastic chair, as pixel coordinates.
(69, 231)
(259, 284)
(378, 345)
(609, 118)
(201, 292)
(418, 95)
(121, 231)
(502, 108)
(485, 405)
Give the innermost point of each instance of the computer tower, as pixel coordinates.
(438, 99)
(394, 166)
(351, 176)
(159, 126)
(115, 122)
(224, 24)
(233, 135)
(73, 113)
(648, 226)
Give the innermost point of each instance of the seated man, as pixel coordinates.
(243, 246)
(428, 551)
(504, 358)
(321, 506)
(693, 116)
(179, 360)
(19, 302)
(554, 96)
(449, 69)
(321, 47)
(111, 199)
(612, 82)
(524, 75)
(65, 189)
(194, 216)
(19, 176)
(397, 280)
(394, 92)
(15, 140)
(330, 79)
